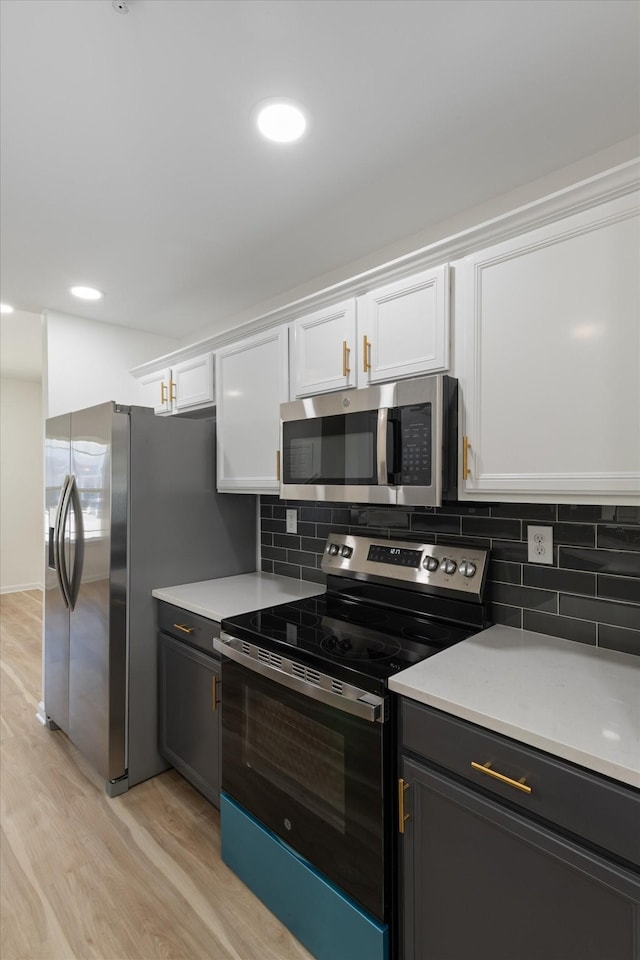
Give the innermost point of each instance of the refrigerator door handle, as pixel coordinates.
(58, 546)
(78, 561)
(61, 565)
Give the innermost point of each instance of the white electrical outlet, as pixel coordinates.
(540, 544)
(292, 521)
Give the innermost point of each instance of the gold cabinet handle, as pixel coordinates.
(465, 458)
(172, 390)
(346, 369)
(402, 816)
(486, 768)
(278, 465)
(214, 691)
(163, 393)
(366, 354)
(181, 626)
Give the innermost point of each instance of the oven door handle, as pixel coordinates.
(358, 703)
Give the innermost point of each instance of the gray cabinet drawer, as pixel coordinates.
(189, 627)
(603, 812)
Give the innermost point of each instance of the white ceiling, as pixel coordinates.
(129, 160)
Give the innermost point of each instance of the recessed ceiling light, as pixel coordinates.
(86, 293)
(280, 120)
(6, 308)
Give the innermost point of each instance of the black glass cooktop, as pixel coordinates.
(344, 638)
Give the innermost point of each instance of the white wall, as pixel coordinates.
(21, 485)
(87, 362)
(465, 220)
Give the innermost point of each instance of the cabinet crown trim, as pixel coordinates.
(616, 182)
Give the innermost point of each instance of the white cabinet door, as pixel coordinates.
(192, 383)
(251, 383)
(154, 390)
(403, 327)
(324, 350)
(548, 329)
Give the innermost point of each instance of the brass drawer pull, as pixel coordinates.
(163, 393)
(465, 458)
(366, 354)
(214, 690)
(486, 768)
(278, 465)
(346, 369)
(181, 626)
(172, 391)
(402, 816)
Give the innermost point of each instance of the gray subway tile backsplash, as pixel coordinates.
(590, 594)
(498, 528)
(526, 597)
(578, 534)
(619, 588)
(582, 631)
(616, 562)
(506, 572)
(581, 513)
(435, 523)
(619, 538)
(531, 512)
(617, 638)
(602, 611)
(552, 578)
(509, 616)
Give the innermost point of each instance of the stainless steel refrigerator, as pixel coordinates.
(131, 504)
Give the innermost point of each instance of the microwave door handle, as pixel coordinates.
(381, 446)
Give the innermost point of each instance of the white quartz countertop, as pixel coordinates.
(230, 596)
(575, 701)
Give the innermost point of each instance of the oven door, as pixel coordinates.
(311, 773)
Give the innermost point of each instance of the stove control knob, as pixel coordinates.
(467, 568)
(430, 563)
(448, 566)
(346, 552)
(333, 549)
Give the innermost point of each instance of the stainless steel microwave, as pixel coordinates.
(395, 444)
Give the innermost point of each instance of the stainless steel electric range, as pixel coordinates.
(309, 733)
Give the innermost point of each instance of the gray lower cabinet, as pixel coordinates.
(484, 878)
(189, 695)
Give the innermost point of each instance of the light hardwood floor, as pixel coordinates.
(133, 878)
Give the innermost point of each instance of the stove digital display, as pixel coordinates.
(396, 555)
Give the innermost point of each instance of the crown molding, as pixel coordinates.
(616, 182)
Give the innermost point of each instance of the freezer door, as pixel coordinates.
(97, 527)
(57, 552)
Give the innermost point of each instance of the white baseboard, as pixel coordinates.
(21, 588)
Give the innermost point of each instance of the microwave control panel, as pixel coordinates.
(416, 433)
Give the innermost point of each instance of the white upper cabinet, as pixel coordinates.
(154, 390)
(403, 328)
(185, 385)
(251, 383)
(395, 331)
(193, 384)
(323, 355)
(547, 335)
